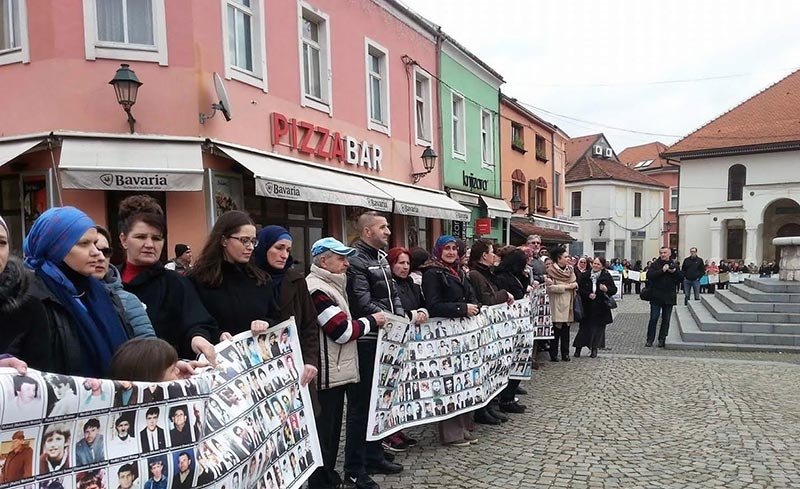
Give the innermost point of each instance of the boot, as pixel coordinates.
(496, 414)
(577, 352)
(594, 353)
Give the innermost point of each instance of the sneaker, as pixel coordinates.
(394, 444)
(457, 443)
(410, 442)
(512, 407)
(360, 482)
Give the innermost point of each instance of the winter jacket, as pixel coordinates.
(238, 300)
(538, 270)
(338, 361)
(36, 326)
(595, 310)
(561, 298)
(663, 285)
(446, 295)
(174, 308)
(511, 284)
(483, 282)
(370, 287)
(692, 268)
(135, 312)
(296, 301)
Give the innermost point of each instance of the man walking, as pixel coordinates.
(370, 289)
(693, 269)
(663, 276)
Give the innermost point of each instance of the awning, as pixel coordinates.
(122, 164)
(497, 207)
(553, 236)
(11, 149)
(417, 201)
(287, 180)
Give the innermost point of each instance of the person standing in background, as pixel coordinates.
(182, 262)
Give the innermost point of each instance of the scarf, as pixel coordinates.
(87, 302)
(267, 237)
(437, 253)
(561, 276)
(594, 276)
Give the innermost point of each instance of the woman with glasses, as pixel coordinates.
(107, 273)
(290, 296)
(230, 285)
(172, 302)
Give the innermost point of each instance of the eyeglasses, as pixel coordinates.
(535, 242)
(107, 252)
(246, 240)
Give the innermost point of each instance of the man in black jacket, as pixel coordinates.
(370, 289)
(693, 269)
(662, 277)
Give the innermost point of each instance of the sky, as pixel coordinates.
(626, 67)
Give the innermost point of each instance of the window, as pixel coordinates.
(637, 250)
(487, 138)
(422, 107)
(518, 191)
(243, 31)
(737, 176)
(557, 189)
(576, 248)
(417, 232)
(600, 248)
(619, 248)
(377, 87)
(315, 52)
(576, 204)
(541, 148)
(126, 29)
(637, 204)
(673, 199)
(459, 126)
(517, 137)
(13, 32)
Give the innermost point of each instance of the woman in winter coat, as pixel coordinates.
(233, 290)
(594, 287)
(81, 327)
(562, 300)
(172, 303)
(449, 294)
(482, 278)
(290, 296)
(107, 273)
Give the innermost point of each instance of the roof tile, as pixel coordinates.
(588, 168)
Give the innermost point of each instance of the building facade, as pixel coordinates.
(470, 156)
(619, 210)
(648, 159)
(330, 106)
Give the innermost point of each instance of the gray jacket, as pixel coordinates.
(135, 311)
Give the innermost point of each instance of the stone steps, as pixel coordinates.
(750, 291)
(773, 285)
(738, 303)
(708, 323)
(722, 312)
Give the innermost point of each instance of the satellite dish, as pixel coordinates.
(224, 105)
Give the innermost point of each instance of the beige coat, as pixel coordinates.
(561, 298)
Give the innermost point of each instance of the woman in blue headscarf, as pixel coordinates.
(84, 327)
(290, 295)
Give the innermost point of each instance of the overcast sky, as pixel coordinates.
(604, 61)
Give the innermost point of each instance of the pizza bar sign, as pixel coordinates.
(308, 138)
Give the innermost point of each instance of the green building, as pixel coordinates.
(469, 94)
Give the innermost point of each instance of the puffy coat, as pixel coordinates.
(135, 312)
(663, 285)
(370, 287)
(446, 295)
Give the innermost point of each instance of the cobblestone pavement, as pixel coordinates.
(634, 417)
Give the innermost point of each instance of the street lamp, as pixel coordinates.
(516, 202)
(428, 162)
(602, 226)
(126, 86)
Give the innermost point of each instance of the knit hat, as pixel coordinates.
(180, 249)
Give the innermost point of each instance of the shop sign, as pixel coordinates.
(459, 229)
(483, 226)
(474, 183)
(320, 141)
(136, 181)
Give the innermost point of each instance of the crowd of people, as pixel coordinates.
(65, 309)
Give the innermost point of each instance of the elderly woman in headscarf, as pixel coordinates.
(82, 327)
(290, 296)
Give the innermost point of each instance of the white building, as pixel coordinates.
(740, 177)
(619, 210)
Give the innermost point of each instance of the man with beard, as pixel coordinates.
(123, 443)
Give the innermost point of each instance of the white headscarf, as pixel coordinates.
(3, 223)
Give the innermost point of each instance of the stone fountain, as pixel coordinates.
(789, 266)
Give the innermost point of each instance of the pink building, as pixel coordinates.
(332, 104)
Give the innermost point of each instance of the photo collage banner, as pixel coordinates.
(534, 322)
(443, 367)
(245, 423)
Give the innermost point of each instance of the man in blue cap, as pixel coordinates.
(338, 373)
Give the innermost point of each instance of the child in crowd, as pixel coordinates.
(145, 360)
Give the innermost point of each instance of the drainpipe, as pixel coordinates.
(439, 123)
(553, 160)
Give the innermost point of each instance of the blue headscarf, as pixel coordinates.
(92, 314)
(267, 237)
(440, 244)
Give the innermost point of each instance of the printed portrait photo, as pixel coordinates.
(184, 469)
(62, 398)
(157, 474)
(23, 396)
(90, 443)
(126, 393)
(55, 451)
(59, 482)
(95, 394)
(92, 479)
(150, 428)
(16, 448)
(120, 435)
(125, 475)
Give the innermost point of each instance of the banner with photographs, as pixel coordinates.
(534, 322)
(441, 368)
(246, 423)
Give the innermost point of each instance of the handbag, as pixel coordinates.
(609, 301)
(577, 308)
(646, 294)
